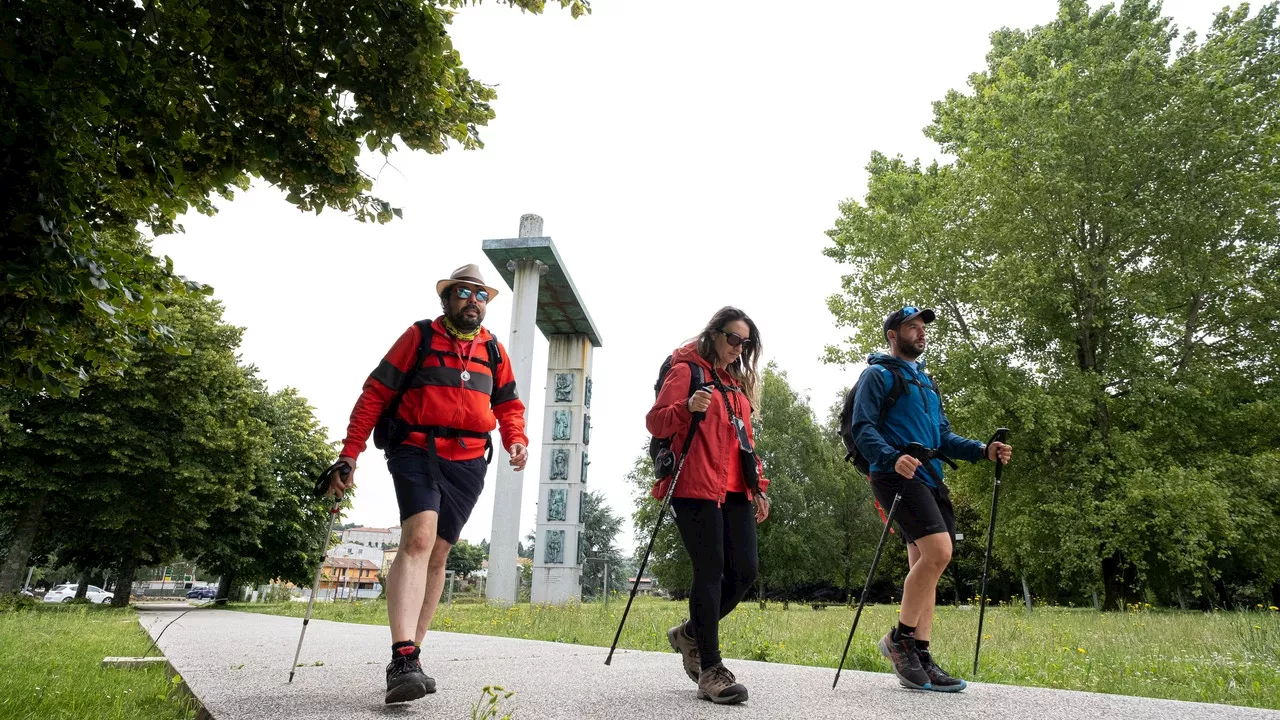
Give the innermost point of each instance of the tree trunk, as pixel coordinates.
(226, 582)
(82, 589)
(1026, 592)
(24, 535)
(1189, 332)
(124, 582)
(1182, 601)
(1113, 582)
(848, 568)
(1096, 605)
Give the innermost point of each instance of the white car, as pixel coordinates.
(67, 592)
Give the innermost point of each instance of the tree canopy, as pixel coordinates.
(122, 114)
(1103, 255)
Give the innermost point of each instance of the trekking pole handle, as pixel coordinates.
(322, 481)
(1002, 436)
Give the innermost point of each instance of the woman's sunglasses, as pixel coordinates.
(465, 292)
(734, 339)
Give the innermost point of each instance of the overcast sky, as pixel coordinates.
(683, 156)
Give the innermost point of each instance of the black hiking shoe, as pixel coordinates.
(719, 686)
(939, 680)
(405, 679)
(906, 661)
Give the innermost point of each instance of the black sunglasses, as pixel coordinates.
(734, 339)
(465, 292)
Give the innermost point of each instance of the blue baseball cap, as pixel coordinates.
(905, 313)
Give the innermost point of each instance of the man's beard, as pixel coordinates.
(465, 323)
(908, 350)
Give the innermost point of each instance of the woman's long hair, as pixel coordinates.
(744, 369)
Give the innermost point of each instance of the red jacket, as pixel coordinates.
(713, 467)
(438, 395)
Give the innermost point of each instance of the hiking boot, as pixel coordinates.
(405, 679)
(719, 686)
(906, 661)
(688, 649)
(939, 680)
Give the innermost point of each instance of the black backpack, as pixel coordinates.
(664, 460)
(391, 431)
(896, 388)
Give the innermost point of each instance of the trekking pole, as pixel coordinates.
(662, 513)
(1001, 435)
(867, 586)
(322, 486)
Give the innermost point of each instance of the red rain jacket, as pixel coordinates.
(713, 467)
(439, 396)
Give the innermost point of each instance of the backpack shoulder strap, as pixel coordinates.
(424, 346)
(897, 385)
(495, 357)
(425, 333)
(696, 377)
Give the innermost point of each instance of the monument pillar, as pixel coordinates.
(546, 298)
(557, 564)
(503, 582)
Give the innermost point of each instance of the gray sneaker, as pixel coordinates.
(688, 649)
(719, 686)
(906, 661)
(939, 680)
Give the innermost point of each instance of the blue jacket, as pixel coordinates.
(916, 417)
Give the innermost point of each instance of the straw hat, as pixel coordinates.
(467, 274)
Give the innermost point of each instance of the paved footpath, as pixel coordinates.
(238, 665)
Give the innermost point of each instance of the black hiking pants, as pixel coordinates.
(722, 545)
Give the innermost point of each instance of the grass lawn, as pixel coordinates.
(51, 667)
(1221, 657)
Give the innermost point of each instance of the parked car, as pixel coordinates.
(67, 592)
(203, 593)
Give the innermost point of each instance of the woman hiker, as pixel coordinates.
(720, 492)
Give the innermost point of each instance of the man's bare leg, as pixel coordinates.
(925, 625)
(435, 586)
(407, 580)
(920, 588)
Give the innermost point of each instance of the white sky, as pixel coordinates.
(683, 157)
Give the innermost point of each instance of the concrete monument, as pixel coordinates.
(545, 298)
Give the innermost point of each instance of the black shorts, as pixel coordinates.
(923, 510)
(453, 499)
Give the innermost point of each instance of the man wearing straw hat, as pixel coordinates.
(432, 404)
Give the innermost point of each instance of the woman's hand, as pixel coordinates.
(700, 401)
(762, 506)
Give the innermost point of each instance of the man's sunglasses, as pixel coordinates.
(734, 339)
(465, 292)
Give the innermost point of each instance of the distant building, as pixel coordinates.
(388, 557)
(344, 578)
(372, 537)
(646, 585)
(357, 551)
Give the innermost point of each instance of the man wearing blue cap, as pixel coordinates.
(899, 426)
